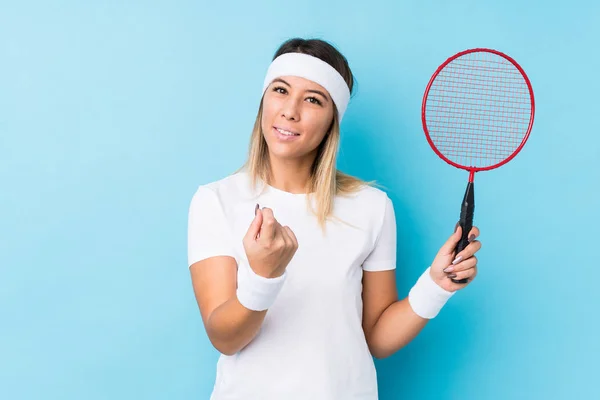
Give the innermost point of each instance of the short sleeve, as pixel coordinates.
(208, 231)
(383, 255)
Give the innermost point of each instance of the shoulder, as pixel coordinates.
(369, 206)
(223, 193)
(368, 196)
(372, 193)
(233, 186)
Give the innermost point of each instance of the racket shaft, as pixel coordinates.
(466, 221)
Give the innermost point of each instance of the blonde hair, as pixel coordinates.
(325, 182)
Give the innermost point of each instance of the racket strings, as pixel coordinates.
(478, 109)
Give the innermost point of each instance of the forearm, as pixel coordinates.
(234, 324)
(395, 328)
(231, 326)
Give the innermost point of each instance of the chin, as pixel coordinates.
(283, 153)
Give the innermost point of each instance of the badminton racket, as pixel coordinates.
(477, 114)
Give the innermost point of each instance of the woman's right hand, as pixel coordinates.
(268, 245)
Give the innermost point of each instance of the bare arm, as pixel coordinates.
(388, 324)
(229, 325)
(400, 320)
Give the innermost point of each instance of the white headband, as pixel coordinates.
(314, 69)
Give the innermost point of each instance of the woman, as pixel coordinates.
(292, 261)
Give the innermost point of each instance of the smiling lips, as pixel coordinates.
(284, 134)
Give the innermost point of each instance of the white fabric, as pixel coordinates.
(311, 344)
(256, 292)
(314, 69)
(426, 297)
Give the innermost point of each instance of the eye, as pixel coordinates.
(279, 89)
(314, 100)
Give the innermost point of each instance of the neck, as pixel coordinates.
(290, 175)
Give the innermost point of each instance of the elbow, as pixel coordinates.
(228, 345)
(380, 354)
(381, 348)
(227, 349)
(377, 351)
(224, 344)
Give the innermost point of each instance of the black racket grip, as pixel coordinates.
(466, 222)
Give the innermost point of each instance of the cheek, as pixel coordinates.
(319, 125)
(268, 113)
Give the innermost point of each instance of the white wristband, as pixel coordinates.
(426, 297)
(256, 292)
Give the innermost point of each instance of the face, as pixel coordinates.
(297, 113)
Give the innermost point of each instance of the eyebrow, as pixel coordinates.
(310, 90)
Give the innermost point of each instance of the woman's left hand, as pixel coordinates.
(447, 265)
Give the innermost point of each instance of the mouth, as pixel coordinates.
(285, 132)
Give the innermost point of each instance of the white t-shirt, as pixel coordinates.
(311, 345)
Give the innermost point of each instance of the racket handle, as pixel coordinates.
(466, 222)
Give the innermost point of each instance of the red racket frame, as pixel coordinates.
(472, 169)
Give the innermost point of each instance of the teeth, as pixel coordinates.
(287, 133)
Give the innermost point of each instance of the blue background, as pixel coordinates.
(112, 114)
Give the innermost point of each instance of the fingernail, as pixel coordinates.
(471, 238)
(456, 260)
(256, 209)
(452, 276)
(456, 226)
(449, 269)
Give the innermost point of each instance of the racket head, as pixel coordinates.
(478, 109)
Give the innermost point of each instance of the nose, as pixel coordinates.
(291, 109)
